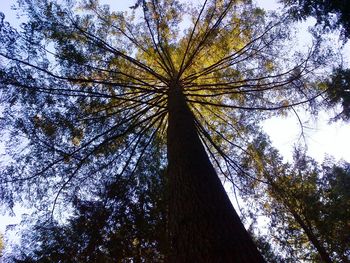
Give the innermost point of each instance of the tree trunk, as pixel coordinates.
(313, 239)
(308, 231)
(203, 225)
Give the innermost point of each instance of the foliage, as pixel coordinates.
(307, 204)
(267, 248)
(125, 221)
(338, 92)
(79, 116)
(1, 244)
(331, 14)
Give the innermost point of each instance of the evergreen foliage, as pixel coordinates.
(307, 204)
(330, 14)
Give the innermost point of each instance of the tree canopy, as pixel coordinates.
(307, 203)
(90, 86)
(338, 92)
(126, 221)
(329, 14)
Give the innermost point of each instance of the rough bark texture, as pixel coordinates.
(203, 225)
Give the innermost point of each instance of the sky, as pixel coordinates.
(320, 136)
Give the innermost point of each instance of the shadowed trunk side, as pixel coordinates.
(311, 236)
(203, 225)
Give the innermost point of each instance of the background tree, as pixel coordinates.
(338, 92)
(329, 14)
(307, 204)
(268, 249)
(126, 222)
(87, 92)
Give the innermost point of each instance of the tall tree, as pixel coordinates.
(307, 204)
(88, 90)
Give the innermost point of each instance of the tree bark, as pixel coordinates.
(203, 225)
